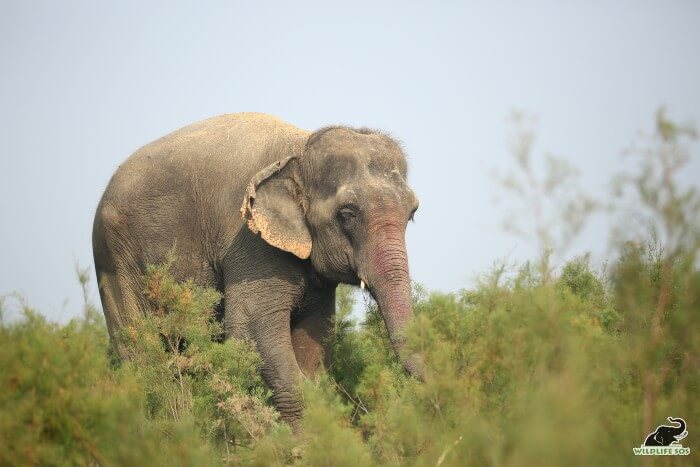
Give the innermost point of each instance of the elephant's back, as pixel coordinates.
(232, 139)
(192, 181)
(223, 151)
(225, 134)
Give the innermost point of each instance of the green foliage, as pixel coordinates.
(62, 404)
(523, 371)
(327, 424)
(181, 398)
(188, 372)
(535, 365)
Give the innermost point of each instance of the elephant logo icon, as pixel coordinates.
(665, 435)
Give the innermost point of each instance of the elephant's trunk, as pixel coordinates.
(679, 430)
(390, 284)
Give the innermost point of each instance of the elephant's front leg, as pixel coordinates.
(260, 310)
(312, 331)
(280, 369)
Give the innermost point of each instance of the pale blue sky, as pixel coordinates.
(84, 84)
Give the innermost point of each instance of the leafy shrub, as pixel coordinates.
(186, 370)
(62, 404)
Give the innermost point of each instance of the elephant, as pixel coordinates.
(665, 435)
(272, 216)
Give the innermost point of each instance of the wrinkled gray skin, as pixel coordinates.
(317, 208)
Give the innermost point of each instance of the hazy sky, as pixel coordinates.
(84, 84)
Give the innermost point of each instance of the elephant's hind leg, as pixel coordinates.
(118, 274)
(120, 293)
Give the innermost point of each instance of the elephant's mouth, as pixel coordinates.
(368, 290)
(363, 285)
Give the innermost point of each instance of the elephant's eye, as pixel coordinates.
(347, 214)
(412, 217)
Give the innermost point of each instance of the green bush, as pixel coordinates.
(188, 372)
(61, 403)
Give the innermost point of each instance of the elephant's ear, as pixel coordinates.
(273, 207)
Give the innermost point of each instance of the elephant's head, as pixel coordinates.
(344, 203)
